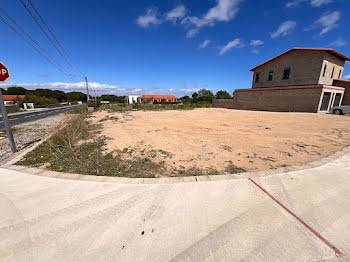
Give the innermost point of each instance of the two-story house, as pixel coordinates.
(300, 80)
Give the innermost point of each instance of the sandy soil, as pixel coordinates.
(216, 138)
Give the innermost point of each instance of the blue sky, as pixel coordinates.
(168, 46)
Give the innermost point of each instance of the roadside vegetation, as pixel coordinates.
(205, 95)
(151, 107)
(80, 148)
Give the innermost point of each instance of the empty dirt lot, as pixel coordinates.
(225, 140)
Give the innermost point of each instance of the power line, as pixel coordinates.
(42, 20)
(29, 43)
(48, 37)
(53, 61)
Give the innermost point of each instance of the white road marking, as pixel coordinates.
(14, 119)
(29, 116)
(41, 114)
(1, 122)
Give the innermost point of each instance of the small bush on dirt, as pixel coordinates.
(81, 110)
(152, 107)
(95, 103)
(232, 169)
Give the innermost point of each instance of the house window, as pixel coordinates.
(333, 72)
(257, 77)
(339, 74)
(286, 73)
(324, 70)
(270, 75)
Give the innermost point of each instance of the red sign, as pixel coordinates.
(4, 73)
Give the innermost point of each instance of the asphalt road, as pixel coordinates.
(19, 118)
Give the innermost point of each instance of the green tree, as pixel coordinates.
(195, 95)
(76, 96)
(113, 98)
(48, 93)
(222, 95)
(15, 90)
(186, 100)
(59, 95)
(205, 95)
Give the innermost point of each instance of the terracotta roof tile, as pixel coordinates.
(13, 97)
(160, 96)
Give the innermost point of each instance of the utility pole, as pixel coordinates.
(87, 88)
(7, 124)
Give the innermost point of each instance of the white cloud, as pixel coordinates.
(256, 42)
(224, 11)
(255, 51)
(149, 18)
(314, 3)
(237, 43)
(346, 77)
(189, 89)
(94, 87)
(100, 89)
(294, 3)
(204, 44)
(339, 42)
(284, 29)
(177, 13)
(192, 33)
(318, 3)
(328, 22)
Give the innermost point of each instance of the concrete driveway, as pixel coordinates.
(297, 216)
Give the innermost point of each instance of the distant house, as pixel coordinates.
(159, 99)
(11, 99)
(299, 80)
(133, 99)
(152, 99)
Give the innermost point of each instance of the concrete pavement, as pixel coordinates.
(50, 219)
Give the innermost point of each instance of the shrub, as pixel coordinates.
(222, 95)
(204, 104)
(95, 103)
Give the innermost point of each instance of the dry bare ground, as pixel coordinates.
(222, 139)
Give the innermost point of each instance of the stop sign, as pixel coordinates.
(4, 73)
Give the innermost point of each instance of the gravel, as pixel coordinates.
(27, 134)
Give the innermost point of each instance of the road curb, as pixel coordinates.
(166, 180)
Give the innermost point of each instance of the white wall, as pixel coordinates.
(132, 99)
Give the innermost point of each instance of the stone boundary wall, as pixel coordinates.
(280, 100)
(223, 103)
(301, 99)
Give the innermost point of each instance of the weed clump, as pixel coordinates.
(151, 107)
(233, 169)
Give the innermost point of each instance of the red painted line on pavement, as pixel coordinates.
(337, 251)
